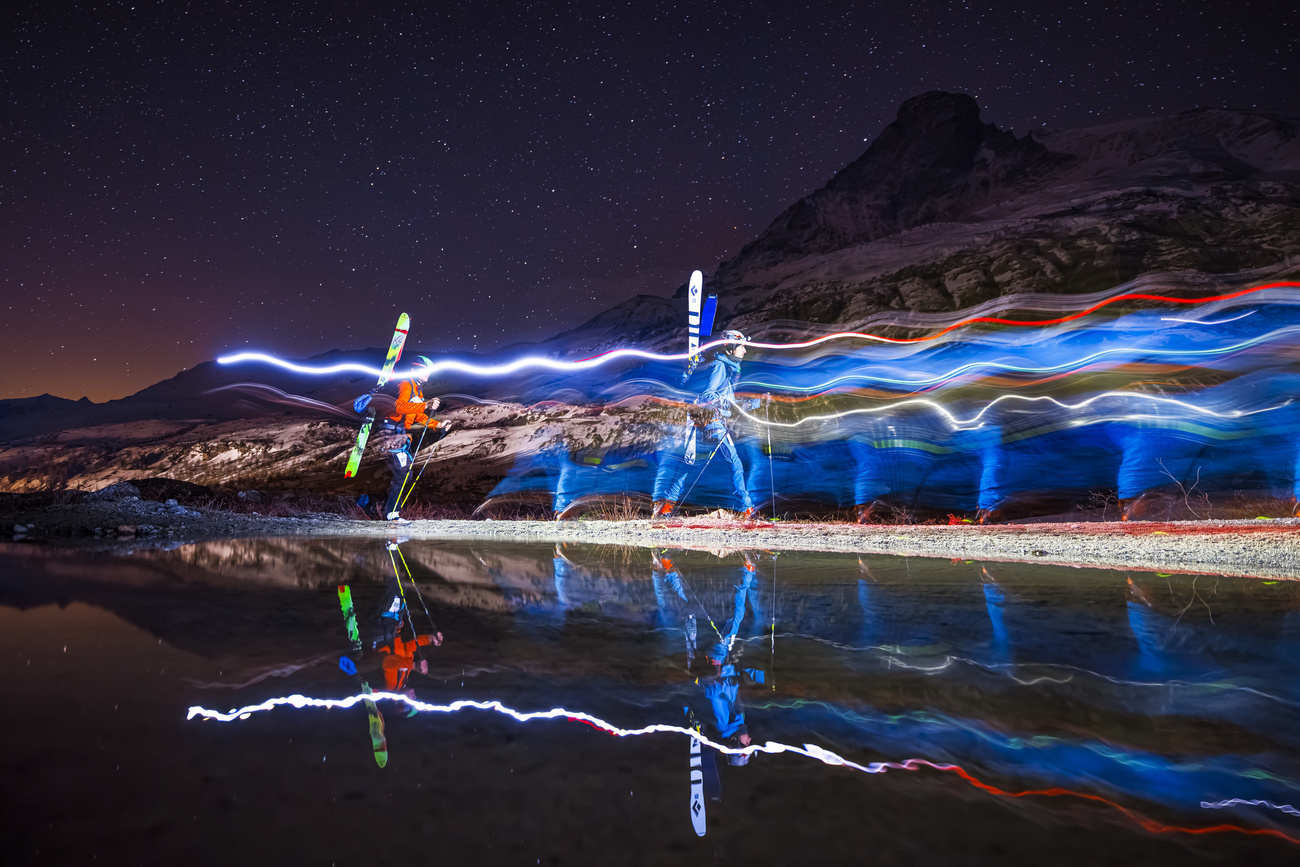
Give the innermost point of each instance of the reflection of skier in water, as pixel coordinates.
(721, 687)
(710, 413)
(722, 677)
(1167, 648)
(671, 601)
(399, 651)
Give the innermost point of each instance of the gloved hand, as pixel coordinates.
(434, 404)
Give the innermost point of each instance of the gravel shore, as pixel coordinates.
(1260, 548)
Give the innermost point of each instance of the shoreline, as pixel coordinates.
(1267, 549)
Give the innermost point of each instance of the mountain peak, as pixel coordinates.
(935, 162)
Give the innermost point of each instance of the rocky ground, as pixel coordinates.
(122, 517)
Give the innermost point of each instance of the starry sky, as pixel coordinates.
(184, 179)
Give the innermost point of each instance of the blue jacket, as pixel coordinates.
(720, 390)
(723, 693)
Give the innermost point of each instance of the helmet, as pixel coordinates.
(421, 365)
(732, 340)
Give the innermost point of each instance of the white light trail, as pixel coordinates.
(976, 419)
(1233, 802)
(810, 750)
(1206, 322)
(542, 362)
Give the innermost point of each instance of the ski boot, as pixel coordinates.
(569, 512)
(870, 513)
(1145, 507)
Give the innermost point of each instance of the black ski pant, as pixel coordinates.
(399, 461)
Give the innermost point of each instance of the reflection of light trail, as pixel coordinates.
(1001, 740)
(953, 420)
(811, 751)
(1233, 802)
(892, 653)
(289, 668)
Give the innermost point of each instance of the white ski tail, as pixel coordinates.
(695, 301)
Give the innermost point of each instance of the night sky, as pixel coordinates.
(185, 179)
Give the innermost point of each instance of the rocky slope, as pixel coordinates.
(943, 212)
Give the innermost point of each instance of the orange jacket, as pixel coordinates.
(400, 659)
(411, 407)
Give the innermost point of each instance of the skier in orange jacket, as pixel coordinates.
(411, 409)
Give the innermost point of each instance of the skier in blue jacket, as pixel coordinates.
(710, 413)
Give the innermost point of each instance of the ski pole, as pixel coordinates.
(418, 594)
(726, 435)
(400, 589)
(415, 452)
(771, 477)
(420, 474)
(771, 473)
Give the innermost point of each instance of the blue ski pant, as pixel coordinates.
(714, 436)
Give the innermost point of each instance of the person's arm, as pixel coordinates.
(712, 393)
(412, 407)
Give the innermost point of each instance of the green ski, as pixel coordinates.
(394, 353)
(378, 741)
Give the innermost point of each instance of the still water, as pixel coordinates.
(541, 702)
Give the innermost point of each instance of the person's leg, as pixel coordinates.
(399, 461)
(566, 480)
(727, 448)
(673, 467)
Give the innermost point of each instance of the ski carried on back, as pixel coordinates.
(378, 741)
(700, 312)
(694, 306)
(363, 402)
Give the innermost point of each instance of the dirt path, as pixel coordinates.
(1262, 548)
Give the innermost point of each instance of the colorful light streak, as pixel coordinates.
(1037, 323)
(891, 654)
(1073, 364)
(811, 751)
(1234, 802)
(542, 362)
(975, 419)
(998, 739)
